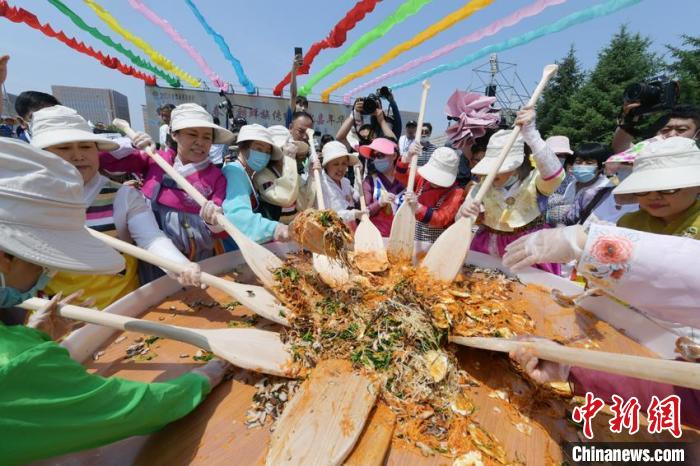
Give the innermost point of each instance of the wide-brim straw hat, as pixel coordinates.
(335, 150)
(280, 137)
(672, 163)
(194, 116)
(42, 213)
(256, 132)
(515, 157)
(442, 167)
(57, 125)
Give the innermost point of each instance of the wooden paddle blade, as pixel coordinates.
(255, 298)
(375, 440)
(446, 256)
(325, 418)
(252, 349)
(332, 272)
(403, 233)
(370, 255)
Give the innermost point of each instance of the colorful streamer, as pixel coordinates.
(155, 57)
(581, 16)
(135, 59)
(445, 23)
(139, 6)
(20, 15)
(223, 46)
(407, 9)
(334, 39)
(511, 20)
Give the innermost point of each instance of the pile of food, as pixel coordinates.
(396, 325)
(323, 232)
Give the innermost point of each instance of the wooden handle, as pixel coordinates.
(547, 74)
(119, 322)
(358, 181)
(421, 115)
(684, 374)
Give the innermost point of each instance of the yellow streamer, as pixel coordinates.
(445, 23)
(142, 44)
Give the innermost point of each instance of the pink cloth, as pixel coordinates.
(482, 241)
(209, 181)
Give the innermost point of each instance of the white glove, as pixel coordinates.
(191, 276)
(411, 199)
(214, 371)
(209, 212)
(414, 150)
(387, 199)
(469, 208)
(558, 245)
(142, 140)
(357, 213)
(526, 116)
(281, 233)
(289, 149)
(539, 370)
(50, 322)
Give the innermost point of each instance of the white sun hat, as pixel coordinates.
(280, 137)
(42, 213)
(559, 145)
(52, 126)
(256, 132)
(513, 160)
(335, 150)
(671, 163)
(442, 167)
(194, 116)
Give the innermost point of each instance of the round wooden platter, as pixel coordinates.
(215, 434)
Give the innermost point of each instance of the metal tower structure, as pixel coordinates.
(500, 79)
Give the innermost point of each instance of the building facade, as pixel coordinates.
(95, 105)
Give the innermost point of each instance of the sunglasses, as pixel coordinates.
(664, 192)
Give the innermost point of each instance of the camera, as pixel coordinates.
(657, 94)
(222, 105)
(385, 93)
(370, 104)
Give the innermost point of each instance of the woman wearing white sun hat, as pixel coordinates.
(193, 131)
(338, 193)
(50, 404)
(112, 208)
(437, 195)
(517, 202)
(242, 205)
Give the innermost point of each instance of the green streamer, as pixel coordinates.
(135, 59)
(407, 9)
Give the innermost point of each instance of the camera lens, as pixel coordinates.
(369, 105)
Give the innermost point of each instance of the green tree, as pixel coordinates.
(556, 97)
(686, 68)
(595, 106)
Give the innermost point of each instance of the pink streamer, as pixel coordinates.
(179, 40)
(531, 10)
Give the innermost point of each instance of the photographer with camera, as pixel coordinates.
(641, 99)
(379, 126)
(297, 103)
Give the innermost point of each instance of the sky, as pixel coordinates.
(263, 33)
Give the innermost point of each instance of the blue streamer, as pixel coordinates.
(573, 19)
(223, 46)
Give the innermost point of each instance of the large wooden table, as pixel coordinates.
(215, 434)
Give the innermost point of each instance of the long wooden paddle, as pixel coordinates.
(375, 439)
(684, 374)
(332, 272)
(260, 260)
(255, 298)
(403, 227)
(370, 255)
(446, 257)
(247, 348)
(322, 422)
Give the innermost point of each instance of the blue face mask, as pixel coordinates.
(382, 165)
(584, 173)
(10, 297)
(257, 160)
(624, 172)
(511, 181)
